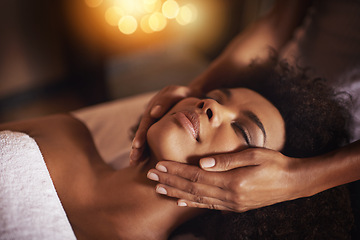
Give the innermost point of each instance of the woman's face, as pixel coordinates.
(228, 120)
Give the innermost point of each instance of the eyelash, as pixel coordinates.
(238, 127)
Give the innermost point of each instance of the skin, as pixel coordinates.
(255, 178)
(258, 177)
(102, 203)
(218, 116)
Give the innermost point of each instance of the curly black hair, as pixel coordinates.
(316, 117)
(315, 123)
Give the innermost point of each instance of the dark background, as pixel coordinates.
(47, 65)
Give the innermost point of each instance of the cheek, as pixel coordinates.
(224, 140)
(168, 142)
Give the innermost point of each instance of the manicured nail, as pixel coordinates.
(161, 168)
(153, 176)
(207, 162)
(161, 190)
(155, 111)
(181, 204)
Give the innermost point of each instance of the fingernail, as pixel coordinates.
(136, 143)
(153, 176)
(161, 190)
(155, 111)
(161, 168)
(207, 162)
(181, 204)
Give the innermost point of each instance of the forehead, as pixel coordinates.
(242, 96)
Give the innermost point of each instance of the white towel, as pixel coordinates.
(29, 205)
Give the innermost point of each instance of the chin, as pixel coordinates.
(166, 143)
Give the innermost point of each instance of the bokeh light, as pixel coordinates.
(157, 22)
(93, 3)
(150, 15)
(128, 6)
(187, 14)
(151, 6)
(127, 24)
(144, 24)
(170, 9)
(113, 15)
(150, 1)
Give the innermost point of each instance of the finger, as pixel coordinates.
(157, 107)
(136, 156)
(163, 104)
(194, 198)
(229, 161)
(210, 205)
(182, 188)
(156, 111)
(194, 173)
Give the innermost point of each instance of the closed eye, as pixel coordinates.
(240, 130)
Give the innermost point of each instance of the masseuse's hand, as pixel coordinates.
(238, 182)
(156, 108)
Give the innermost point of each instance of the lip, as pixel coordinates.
(190, 121)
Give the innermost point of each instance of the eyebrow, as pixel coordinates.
(257, 121)
(252, 116)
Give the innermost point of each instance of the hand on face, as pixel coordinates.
(226, 121)
(230, 120)
(237, 182)
(156, 108)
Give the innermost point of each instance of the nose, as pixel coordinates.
(212, 110)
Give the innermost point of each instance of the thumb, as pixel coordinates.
(229, 161)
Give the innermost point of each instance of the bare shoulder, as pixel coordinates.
(59, 134)
(65, 143)
(58, 125)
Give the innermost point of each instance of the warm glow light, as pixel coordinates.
(136, 7)
(127, 24)
(157, 22)
(93, 3)
(151, 15)
(113, 15)
(151, 6)
(128, 6)
(150, 1)
(187, 14)
(170, 9)
(145, 26)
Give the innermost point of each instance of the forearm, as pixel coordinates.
(329, 170)
(273, 30)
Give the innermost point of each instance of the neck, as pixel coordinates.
(124, 204)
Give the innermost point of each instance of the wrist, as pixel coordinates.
(316, 174)
(201, 85)
(303, 178)
(196, 89)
